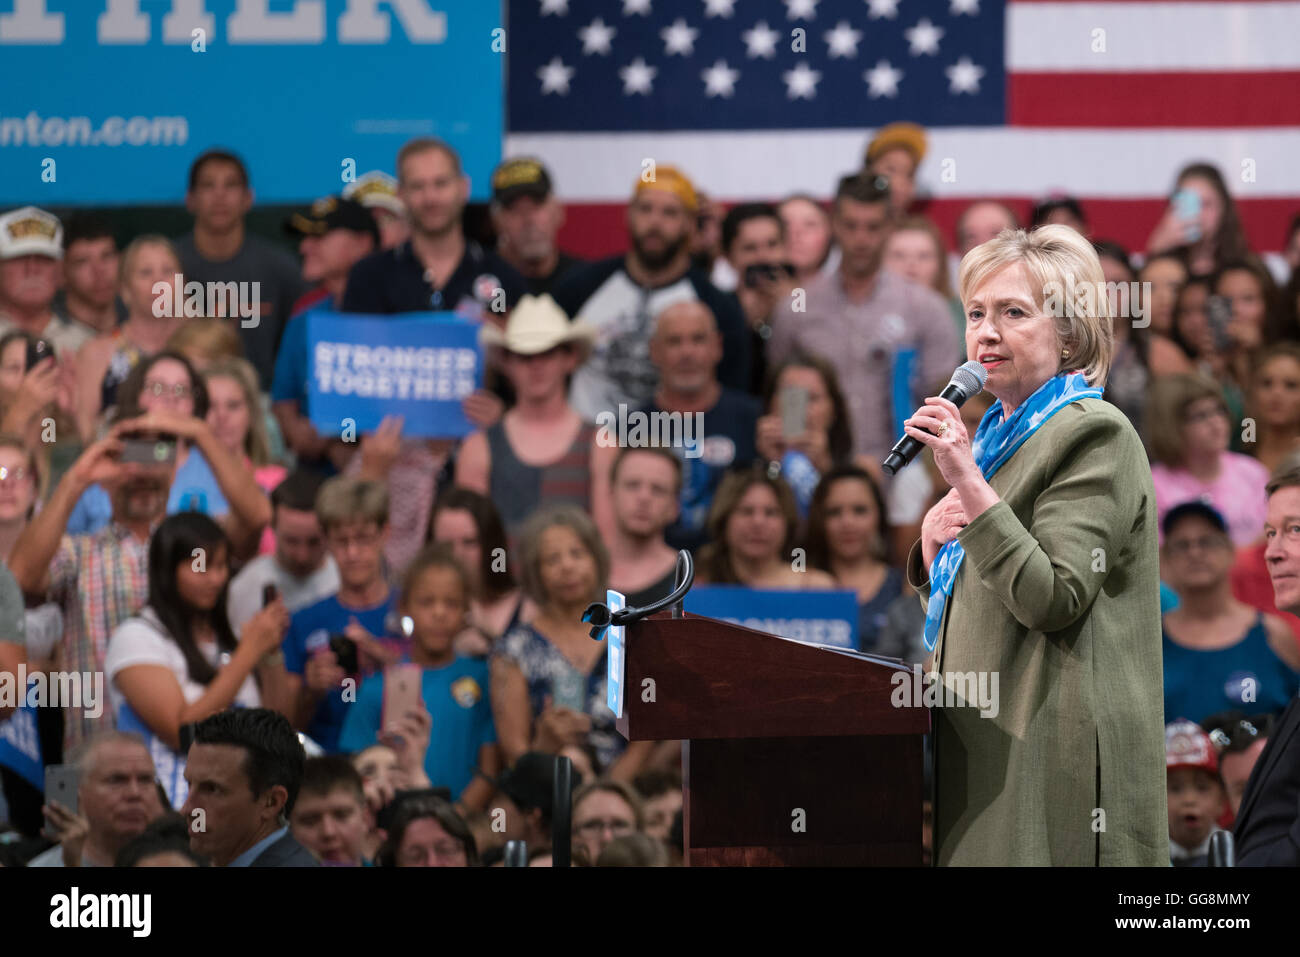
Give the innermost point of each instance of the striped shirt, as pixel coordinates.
(100, 580)
(518, 489)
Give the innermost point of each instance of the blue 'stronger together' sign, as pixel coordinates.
(419, 365)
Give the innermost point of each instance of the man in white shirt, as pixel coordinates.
(300, 568)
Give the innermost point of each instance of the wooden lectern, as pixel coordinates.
(792, 754)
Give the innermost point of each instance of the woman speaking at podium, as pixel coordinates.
(1039, 574)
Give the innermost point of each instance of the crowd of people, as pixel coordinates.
(370, 651)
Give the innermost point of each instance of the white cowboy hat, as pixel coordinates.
(537, 324)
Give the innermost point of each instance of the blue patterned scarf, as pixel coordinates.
(996, 441)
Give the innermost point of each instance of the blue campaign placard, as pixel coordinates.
(20, 744)
(108, 102)
(614, 657)
(417, 365)
(822, 617)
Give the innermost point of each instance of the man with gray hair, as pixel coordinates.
(117, 798)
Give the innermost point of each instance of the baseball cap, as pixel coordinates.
(524, 176)
(30, 232)
(332, 212)
(376, 190)
(906, 136)
(1187, 746)
(1193, 508)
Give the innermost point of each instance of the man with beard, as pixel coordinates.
(437, 269)
(527, 218)
(620, 297)
(99, 579)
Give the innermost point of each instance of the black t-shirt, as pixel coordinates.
(544, 284)
(652, 593)
(394, 281)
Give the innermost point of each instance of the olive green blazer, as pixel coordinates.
(1059, 596)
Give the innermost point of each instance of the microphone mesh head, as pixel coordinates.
(970, 378)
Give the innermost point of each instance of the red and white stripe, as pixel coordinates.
(1106, 101)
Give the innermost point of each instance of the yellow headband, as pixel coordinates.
(670, 180)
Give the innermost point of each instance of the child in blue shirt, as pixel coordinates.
(462, 753)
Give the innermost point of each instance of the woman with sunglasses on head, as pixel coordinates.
(164, 397)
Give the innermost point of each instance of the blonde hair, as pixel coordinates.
(206, 341)
(346, 499)
(133, 248)
(1056, 257)
(240, 371)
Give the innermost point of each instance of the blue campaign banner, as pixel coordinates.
(20, 745)
(108, 101)
(416, 365)
(817, 616)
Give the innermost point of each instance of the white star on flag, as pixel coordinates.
(637, 77)
(555, 77)
(800, 9)
(558, 7)
(679, 38)
(801, 82)
(958, 7)
(924, 37)
(720, 79)
(964, 76)
(888, 9)
(641, 7)
(719, 8)
(760, 41)
(882, 80)
(595, 37)
(843, 40)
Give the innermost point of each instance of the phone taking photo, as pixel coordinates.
(148, 451)
(61, 785)
(794, 411)
(1187, 206)
(1218, 313)
(38, 351)
(401, 692)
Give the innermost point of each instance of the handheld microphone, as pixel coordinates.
(967, 381)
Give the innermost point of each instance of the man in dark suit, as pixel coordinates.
(244, 769)
(1267, 829)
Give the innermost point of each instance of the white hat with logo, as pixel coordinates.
(30, 232)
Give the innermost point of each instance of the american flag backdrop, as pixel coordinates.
(755, 99)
